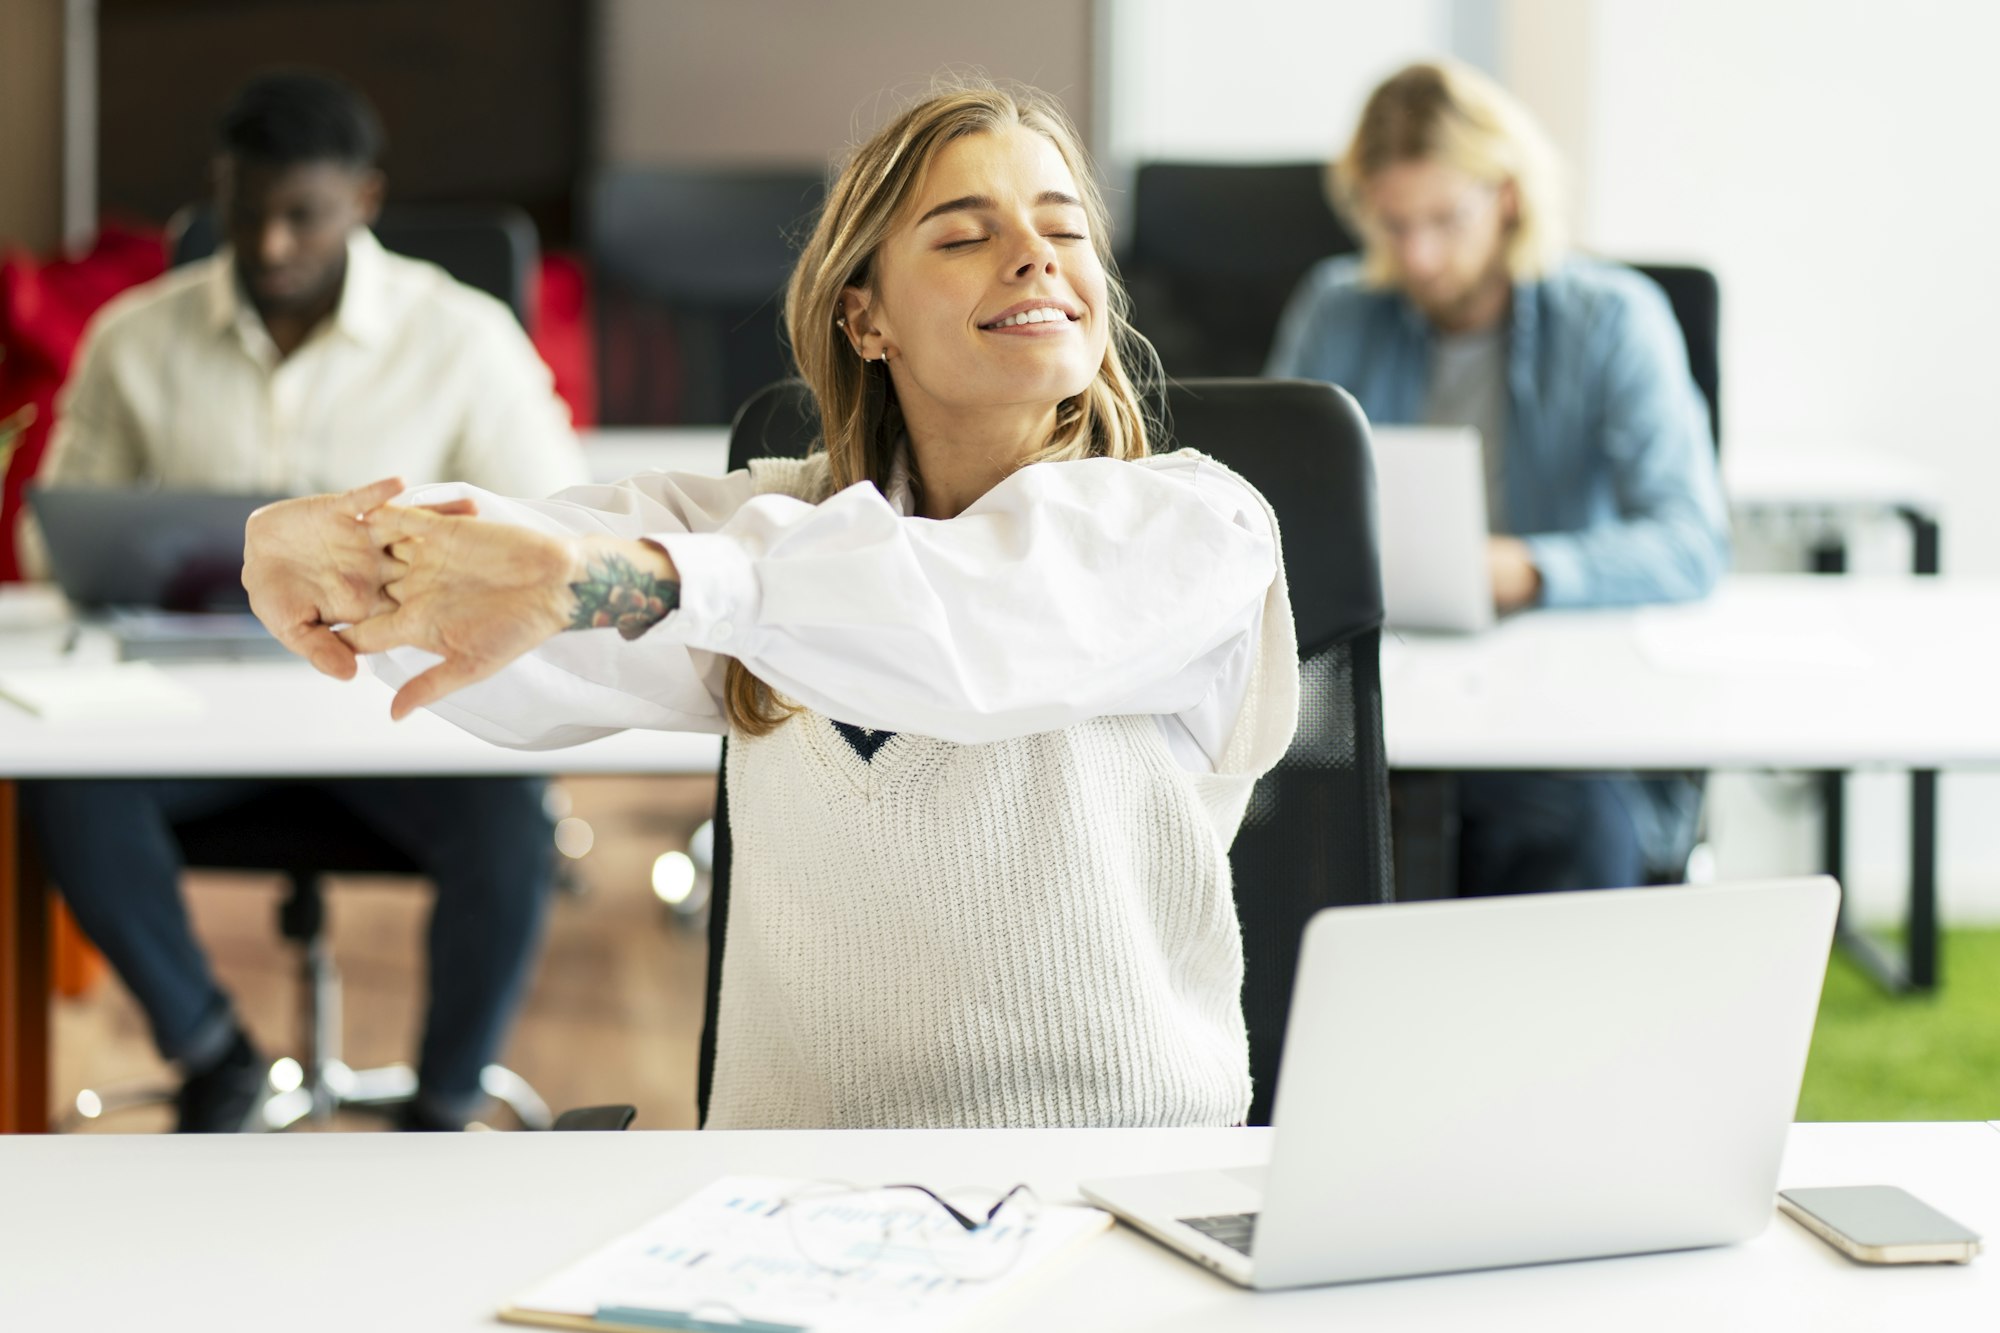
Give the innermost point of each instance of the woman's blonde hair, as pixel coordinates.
(1443, 111)
(860, 420)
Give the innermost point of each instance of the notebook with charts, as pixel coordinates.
(787, 1256)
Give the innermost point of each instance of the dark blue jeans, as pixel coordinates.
(1542, 832)
(483, 842)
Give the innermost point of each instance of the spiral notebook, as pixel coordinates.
(729, 1259)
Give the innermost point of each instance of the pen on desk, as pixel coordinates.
(71, 638)
(689, 1321)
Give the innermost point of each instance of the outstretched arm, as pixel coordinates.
(480, 594)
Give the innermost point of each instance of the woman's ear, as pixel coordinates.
(858, 323)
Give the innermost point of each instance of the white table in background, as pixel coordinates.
(1820, 492)
(275, 719)
(1772, 672)
(1833, 479)
(616, 452)
(317, 1233)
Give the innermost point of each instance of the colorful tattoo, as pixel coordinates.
(619, 594)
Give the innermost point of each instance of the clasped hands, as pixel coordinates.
(332, 576)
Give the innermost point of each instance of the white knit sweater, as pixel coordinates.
(1033, 931)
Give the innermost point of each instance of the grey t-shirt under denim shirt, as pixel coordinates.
(1468, 387)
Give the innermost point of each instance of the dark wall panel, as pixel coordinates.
(484, 100)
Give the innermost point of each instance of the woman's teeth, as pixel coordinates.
(1041, 316)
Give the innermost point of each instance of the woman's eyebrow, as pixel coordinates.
(973, 202)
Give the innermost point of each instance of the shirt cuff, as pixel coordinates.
(1565, 578)
(720, 594)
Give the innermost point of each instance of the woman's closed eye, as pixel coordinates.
(969, 241)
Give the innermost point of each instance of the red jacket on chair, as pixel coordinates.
(43, 310)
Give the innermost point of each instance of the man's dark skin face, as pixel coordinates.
(288, 226)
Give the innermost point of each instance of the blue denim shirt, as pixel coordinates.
(1608, 463)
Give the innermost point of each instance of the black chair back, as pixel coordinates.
(493, 248)
(1696, 299)
(1317, 830)
(690, 269)
(1217, 250)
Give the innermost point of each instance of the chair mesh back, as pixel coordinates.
(1317, 830)
(1316, 835)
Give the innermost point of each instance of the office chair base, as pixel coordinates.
(291, 1100)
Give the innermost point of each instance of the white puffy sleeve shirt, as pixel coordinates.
(1069, 591)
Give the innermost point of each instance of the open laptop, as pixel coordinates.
(1481, 1083)
(164, 568)
(1430, 495)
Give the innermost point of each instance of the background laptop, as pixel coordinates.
(149, 559)
(1489, 1082)
(1430, 489)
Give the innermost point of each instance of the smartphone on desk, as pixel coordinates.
(1880, 1224)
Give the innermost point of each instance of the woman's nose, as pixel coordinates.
(1039, 255)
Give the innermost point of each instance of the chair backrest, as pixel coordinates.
(493, 248)
(1696, 299)
(690, 268)
(1317, 830)
(1216, 251)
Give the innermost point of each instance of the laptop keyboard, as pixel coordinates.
(1231, 1229)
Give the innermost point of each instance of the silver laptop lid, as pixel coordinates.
(1430, 486)
(142, 546)
(1478, 1083)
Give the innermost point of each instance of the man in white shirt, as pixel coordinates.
(304, 357)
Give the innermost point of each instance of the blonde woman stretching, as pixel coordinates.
(997, 681)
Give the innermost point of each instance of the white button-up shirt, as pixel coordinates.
(415, 375)
(1069, 591)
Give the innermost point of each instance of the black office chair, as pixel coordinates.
(1216, 252)
(1696, 299)
(305, 835)
(690, 269)
(493, 248)
(1317, 830)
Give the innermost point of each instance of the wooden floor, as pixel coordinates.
(614, 1014)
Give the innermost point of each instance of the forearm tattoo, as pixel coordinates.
(618, 593)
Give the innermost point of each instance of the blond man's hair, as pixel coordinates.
(1444, 111)
(861, 422)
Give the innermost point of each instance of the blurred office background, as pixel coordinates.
(1825, 160)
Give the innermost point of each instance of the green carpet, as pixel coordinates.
(1884, 1057)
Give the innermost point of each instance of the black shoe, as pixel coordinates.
(414, 1118)
(221, 1098)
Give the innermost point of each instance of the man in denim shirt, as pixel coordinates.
(1602, 486)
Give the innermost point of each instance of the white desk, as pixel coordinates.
(264, 719)
(283, 719)
(1774, 671)
(375, 1232)
(1820, 490)
(616, 452)
(1836, 478)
